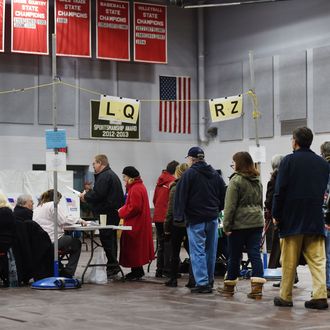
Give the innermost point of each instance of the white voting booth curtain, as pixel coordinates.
(14, 183)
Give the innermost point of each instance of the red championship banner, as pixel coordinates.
(150, 33)
(112, 33)
(73, 28)
(2, 25)
(29, 27)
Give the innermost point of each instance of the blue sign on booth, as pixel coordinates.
(55, 139)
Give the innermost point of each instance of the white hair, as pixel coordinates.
(276, 161)
(22, 199)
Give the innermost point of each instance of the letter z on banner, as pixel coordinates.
(29, 27)
(150, 33)
(2, 25)
(112, 32)
(73, 28)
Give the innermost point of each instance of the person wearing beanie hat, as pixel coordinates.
(131, 172)
(160, 201)
(136, 246)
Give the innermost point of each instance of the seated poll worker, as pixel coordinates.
(44, 215)
(33, 249)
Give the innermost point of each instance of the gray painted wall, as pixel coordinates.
(290, 40)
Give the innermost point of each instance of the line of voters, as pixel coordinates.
(188, 200)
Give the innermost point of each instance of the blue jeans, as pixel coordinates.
(203, 242)
(327, 254)
(250, 238)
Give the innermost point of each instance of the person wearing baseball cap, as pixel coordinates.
(199, 198)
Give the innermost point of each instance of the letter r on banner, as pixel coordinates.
(226, 108)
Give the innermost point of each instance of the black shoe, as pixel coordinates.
(172, 283)
(113, 271)
(282, 303)
(316, 304)
(135, 275)
(277, 284)
(201, 289)
(328, 293)
(159, 273)
(190, 284)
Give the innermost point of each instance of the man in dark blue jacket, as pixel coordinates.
(297, 211)
(106, 197)
(198, 200)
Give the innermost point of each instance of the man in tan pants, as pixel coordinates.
(297, 211)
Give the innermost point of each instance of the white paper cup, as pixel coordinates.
(103, 219)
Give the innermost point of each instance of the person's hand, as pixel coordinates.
(83, 223)
(82, 196)
(228, 233)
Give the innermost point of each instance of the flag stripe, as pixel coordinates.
(160, 116)
(189, 107)
(184, 105)
(165, 116)
(180, 110)
(175, 117)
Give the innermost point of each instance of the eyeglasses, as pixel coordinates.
(232, 166)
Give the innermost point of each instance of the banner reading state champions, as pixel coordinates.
(104, 129)
(29, 27)
(73, 28)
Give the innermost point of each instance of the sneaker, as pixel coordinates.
(201, 289)
(172, 283)
(316, 304)
(278, 301)
(277, 284)
(328, 292)
(134, 275)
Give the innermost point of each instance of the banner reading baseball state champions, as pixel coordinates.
(29, 26)
(2, 24)
(150, 33)
(112, 33)
(73, 28)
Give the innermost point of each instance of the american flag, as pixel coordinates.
(174, 104)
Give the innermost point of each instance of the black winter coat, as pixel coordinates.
(107, 195)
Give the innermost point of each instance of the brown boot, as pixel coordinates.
(228, 288)
(256, 288)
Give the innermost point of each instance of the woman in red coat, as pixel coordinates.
(136, 246)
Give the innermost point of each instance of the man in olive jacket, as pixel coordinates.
(297, 211)
(106, 197)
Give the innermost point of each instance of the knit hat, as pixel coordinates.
(131, 172)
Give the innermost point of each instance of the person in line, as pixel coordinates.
(33, 248)
(325, 153)
(160, 201)
(44, 215)
(7, 237)
(136, 245)
(297, 211)
(243, 224)
(176, 233)
(199, 198)
(106, 197)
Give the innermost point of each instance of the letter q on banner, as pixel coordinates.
(226, 108)
(119, 109)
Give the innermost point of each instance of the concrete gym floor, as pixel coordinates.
(148, 304)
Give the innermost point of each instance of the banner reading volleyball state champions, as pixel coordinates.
(150, 33)
(112, 33)
(73, 28)
(29, 26)
(2, 24)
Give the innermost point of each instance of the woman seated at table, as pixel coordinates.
(136, 246)
(44, 215)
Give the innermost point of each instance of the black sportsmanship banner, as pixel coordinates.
(103, 129)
